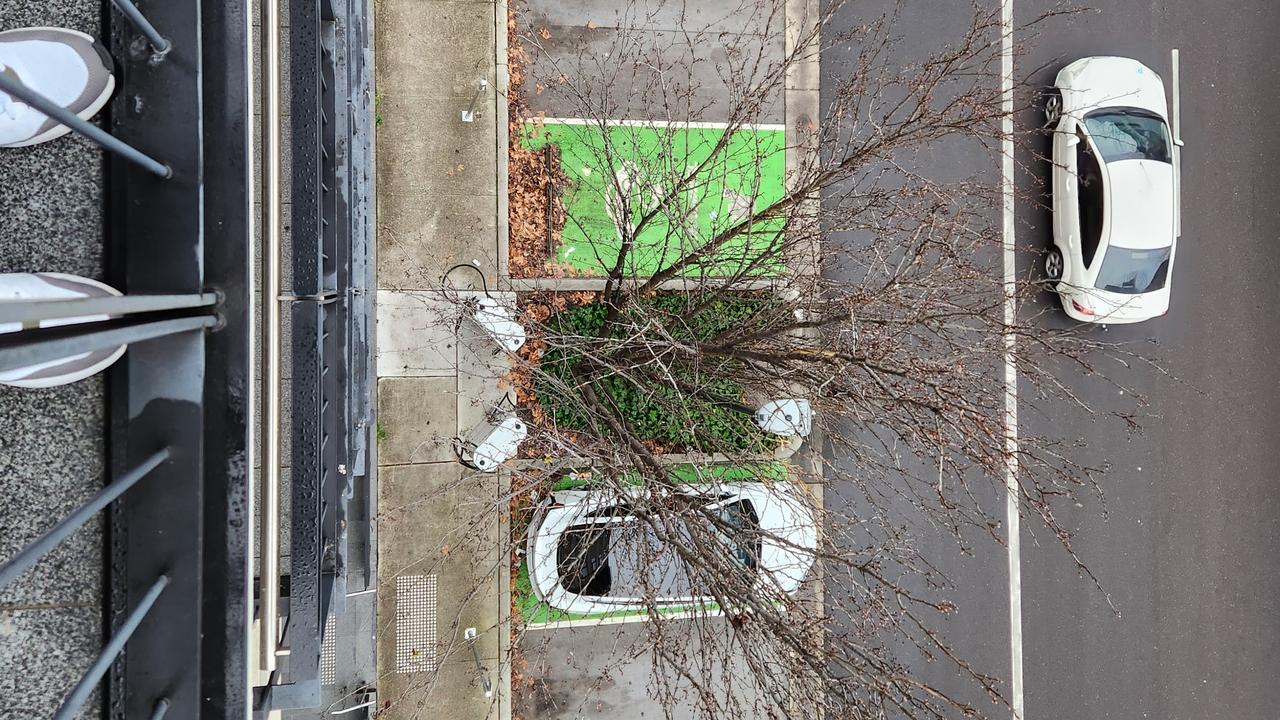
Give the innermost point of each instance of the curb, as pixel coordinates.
(801, 108)
(618, 620)
(504, 695)
(502, 86)
(782, 454)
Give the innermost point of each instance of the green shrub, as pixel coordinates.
(713, 420)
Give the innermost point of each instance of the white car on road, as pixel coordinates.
(609, 551)
(1115, 191)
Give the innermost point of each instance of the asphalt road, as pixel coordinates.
(1185, 539)
(1189, 546)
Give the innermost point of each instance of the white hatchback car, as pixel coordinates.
(589, 553)
(1115, 191)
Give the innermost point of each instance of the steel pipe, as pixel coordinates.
(18, 351)
(269, 491)
(140, 21)
(36, 311)
(83, 689)
(161, 709)
(14, 87)
(54, 536)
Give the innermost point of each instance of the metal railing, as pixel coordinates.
(55, 535)
(9, 571)
(269, 491)
(158, 42)
(326, 305)
(14, 87)
(83, 689)
(179, 232)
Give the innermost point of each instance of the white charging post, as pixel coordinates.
(787, 417)
(499, 322)
(491, 445)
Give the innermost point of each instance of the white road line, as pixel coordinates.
(696, 125)
(1010, 371)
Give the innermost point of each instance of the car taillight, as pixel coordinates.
(1080, 308)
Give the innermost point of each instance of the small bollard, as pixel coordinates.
(470, 114)
(471, 635)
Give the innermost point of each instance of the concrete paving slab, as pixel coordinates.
(424, 696)
(67, 639)
(425, 147)
(420, 236)
(417, 420)
(52, 207)
(440, 520)
(51, 462)
(606, 671)
(711, 16)
(695, 88)
(51, 450)
(416, 334)
(438, 50)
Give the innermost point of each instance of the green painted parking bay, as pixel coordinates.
(613, 177)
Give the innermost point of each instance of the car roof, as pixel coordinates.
(1140, 212)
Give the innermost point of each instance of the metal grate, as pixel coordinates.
(415, 623)
(329, 652)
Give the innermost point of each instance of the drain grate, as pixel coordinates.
(415, 623)
(329, 652)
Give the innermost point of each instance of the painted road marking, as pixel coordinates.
(1010, 371)
(748, 172)
(694, 125)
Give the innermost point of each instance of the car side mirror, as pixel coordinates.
(1073, 140)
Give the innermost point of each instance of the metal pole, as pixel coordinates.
(144, 25)
(35, 311)
(67, 340)
(162, 707)
(472, 637)
(470, 114)
(89, 682)
(253, 451)
(269, 498)
(14, 87)
(38, 549)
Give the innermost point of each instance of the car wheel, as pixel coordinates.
(1053, 265)
(1052, 107)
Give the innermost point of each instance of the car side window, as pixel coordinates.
(1089, 198)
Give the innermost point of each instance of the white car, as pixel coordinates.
(1115, 191)
(588, 553)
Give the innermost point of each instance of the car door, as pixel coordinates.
(1066, 218)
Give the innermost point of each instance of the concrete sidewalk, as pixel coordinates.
(439, 570)
(441, 188)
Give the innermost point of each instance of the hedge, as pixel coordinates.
(656, 411)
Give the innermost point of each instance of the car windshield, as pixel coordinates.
(1129, 271)
(582, 559)
(627, 559)
(1129, 135)
(745, 541)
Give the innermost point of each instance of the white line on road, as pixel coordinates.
(1010, 370)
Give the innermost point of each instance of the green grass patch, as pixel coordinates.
(537, 612)
(705, 414)
(690, 474)
(643, 164)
